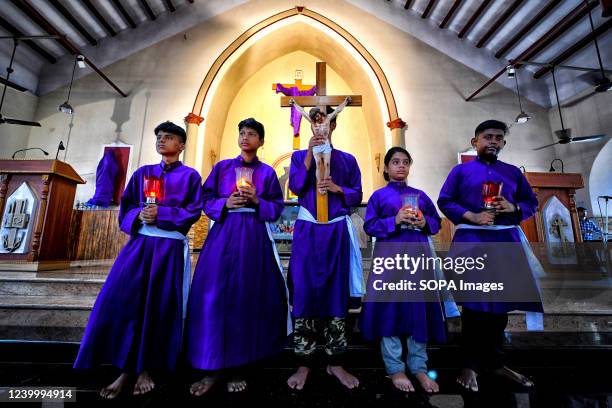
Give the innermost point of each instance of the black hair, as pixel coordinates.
(580, 209)
(171, 128)
(491, 124)
(313, 112)
(253, 124)
(389, 155)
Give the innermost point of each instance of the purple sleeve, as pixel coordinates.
(213, 204)
(431, 216)
(130, 206)
(184, 216)
(308, 92)
(526, 200)
(447, 201)
(298, 175)
(280, 88)
(375, 226)
(352, 192)
(271, 202)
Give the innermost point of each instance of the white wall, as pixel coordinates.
(593, 160)
(17, 105)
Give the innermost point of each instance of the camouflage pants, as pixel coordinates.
(306, 331)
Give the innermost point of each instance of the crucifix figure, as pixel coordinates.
(295, 89)
(322, 101)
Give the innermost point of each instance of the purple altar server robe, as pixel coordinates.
(237, 312)
(136, 322)
(106, 175)
(320, 254)
(462, 191)
(422, 320)
(296, 117)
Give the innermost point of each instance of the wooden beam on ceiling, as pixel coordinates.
(527, 28)
(148, 10)
(568, 21)
(574, 48)
(450, 13)
(73, 21)
(31, 44)
(428, 9)
(124, 14)
(483, 6)
(499, 23)
(99, 17)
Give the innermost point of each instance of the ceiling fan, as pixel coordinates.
(9, 70)
(565, 134)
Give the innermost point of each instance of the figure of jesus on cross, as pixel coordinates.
(322, 101)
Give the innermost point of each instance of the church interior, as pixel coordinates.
(82, 80)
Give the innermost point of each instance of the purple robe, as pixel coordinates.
(296, 117)
(106, 175)
(320, 254)
(136, 322)
(237, 312)
(462, 191)
(422, 320)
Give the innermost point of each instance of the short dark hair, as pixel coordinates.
(581, 209)
(253, 124)
(389, 155)
(313, 112)
(491, 124)
(171, 128)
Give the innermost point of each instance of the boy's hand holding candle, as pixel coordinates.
(235, 200)
(249, 192)
(148, 214)
(501, 205)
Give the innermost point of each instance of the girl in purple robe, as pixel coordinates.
(237, 312)
(391, 319)
(136, 322)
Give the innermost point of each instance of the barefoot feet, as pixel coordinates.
(144, 384)
(401, 382)
(429, 385)
(236, 384)
(347, 379)
(199, 388)
(113, 390)
(298, 379)
(467, 379)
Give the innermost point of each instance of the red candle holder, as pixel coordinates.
(490, 190)
(152, 187)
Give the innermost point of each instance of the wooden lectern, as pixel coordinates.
(546, 186)
(36, 200)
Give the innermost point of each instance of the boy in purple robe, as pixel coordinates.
(136, 322)
(238, 312)
(325, 259)
(484, 322)
(399, 229)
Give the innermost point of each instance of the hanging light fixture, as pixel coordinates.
(521, 117)
(66, 107)
(511, 71)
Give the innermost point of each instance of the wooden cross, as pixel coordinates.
(322, 100)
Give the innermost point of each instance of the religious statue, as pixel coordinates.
(319, 123)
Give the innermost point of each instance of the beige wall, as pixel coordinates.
(17, 105)
(264, 106)
(163, 81)
(593, 160)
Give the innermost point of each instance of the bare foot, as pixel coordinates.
(514, 376)
(347, 379)
(144, 384)
(198, 388)
(236, 384)
(429, 385)
(401, 382)
(113, 390)
(298, 379)
(467, 379)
